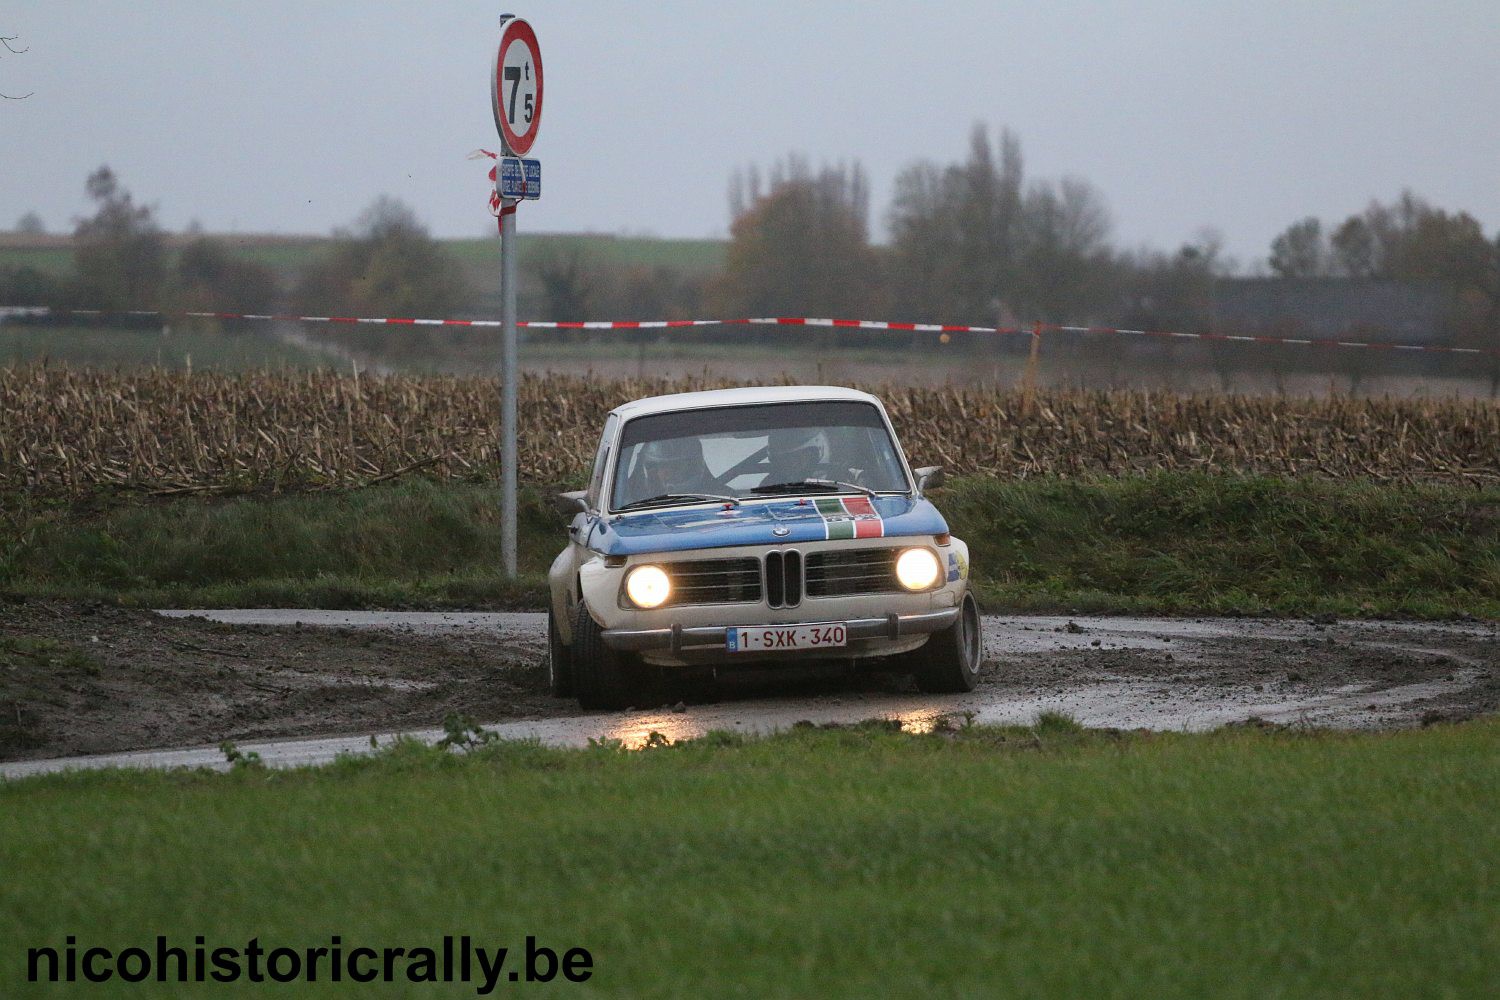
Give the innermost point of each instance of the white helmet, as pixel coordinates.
(797, 453)
(675, 465)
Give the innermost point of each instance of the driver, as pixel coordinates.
(675, 465)
(797, 453)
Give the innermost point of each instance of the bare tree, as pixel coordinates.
(1300, 251)
(567, 279)
(800, 242)
(119, 252)
(9, 43)
(958, 232)
(389, 265)
(1353, 248)
(1065, 263)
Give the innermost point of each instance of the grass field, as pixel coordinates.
(53, 260)
(183, 347)
(257, 346)
(288, 255)
(1175, 543)
(687, 256)
(857, 862)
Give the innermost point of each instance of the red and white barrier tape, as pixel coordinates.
(840, 324)
(1296, 341)
(498, 207)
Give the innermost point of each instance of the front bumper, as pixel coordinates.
(680, 639)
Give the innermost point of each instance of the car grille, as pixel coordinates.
(784, 579)
(851, 571)
(714, 581)
(827, 574)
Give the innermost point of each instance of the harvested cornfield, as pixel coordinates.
(67, 431)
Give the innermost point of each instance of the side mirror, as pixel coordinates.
(929, 476)
(569, 504)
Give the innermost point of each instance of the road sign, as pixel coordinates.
(519, 178)
(516, 87)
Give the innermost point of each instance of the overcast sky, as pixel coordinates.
(266, 116)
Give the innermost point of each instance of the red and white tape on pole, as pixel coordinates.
(804, 321)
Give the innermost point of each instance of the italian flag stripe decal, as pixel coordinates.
(853, 517)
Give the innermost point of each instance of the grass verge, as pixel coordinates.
(410, 544)
(1162, 543)
(856, 862)
(1182, 543)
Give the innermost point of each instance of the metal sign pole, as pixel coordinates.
(507, 336)
(516, 98)
(508, 386)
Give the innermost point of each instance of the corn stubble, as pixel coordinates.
(72, 431)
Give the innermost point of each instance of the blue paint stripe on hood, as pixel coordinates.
(674, 529)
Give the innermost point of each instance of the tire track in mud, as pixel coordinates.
(93, 680)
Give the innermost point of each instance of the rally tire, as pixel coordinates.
(948, 662)
(601, 676)
(559, 661)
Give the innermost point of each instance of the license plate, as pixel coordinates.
(764, 638)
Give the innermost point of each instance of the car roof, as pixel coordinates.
(743, 396)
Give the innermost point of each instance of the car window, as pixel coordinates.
(734, 450)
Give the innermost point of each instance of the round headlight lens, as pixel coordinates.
(648, 586)
(917, 569)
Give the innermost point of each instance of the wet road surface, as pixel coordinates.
(1121, 672)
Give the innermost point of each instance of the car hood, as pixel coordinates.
(782, 521)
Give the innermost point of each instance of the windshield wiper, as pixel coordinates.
(830, 485)
(666, 499)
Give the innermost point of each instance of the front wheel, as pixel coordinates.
(601, 676)
(948, 663)
(559, 661)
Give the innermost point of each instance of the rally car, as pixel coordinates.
(738, 526)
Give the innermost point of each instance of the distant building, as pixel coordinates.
(1331, 308)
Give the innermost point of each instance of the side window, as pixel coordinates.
(596, 480)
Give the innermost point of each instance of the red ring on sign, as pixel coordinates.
(516, 30)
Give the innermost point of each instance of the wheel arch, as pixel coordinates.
(562, 583)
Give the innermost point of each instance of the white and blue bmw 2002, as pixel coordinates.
(743, 525)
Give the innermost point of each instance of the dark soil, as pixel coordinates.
(86, 678)
(82, 679)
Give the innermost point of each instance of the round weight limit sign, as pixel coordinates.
(518, 87)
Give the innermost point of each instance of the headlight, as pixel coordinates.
(917, 569)
(648, 586)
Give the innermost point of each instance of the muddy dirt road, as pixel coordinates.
(89, 680)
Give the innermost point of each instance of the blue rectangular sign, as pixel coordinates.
(520, 178)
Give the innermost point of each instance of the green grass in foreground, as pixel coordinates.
(1171, 543)
(859, 862)
(106, 347)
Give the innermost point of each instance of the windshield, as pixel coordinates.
(745, 451)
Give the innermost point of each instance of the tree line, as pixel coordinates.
(386, 264)
(976, 242)
(1407, 240)
(972, 242)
